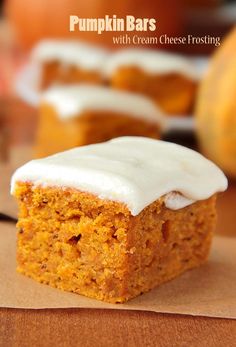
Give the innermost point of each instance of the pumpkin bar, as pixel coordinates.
(169, 79)
(113, 220)
(78, 115)
(68, 61)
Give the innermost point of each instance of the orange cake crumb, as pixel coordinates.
(77, 242)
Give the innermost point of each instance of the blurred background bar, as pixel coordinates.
(24, 22)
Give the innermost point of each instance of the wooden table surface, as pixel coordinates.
(88, 328)
(84, 327)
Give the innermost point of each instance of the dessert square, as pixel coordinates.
(68, 62)
(169, 79)
(72, 116)
(113, 220)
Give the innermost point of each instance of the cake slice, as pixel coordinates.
(79, 115)
(169, 79)
(113, 220)
(69, 61)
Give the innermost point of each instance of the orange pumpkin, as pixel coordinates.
(216, 108)
(37, 19)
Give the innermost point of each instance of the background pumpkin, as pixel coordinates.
(216, 108)
(37, 19)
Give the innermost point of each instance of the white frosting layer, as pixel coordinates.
(133, 170)
(151, 61)
(71, 101)
(70, 53)
(175, 201)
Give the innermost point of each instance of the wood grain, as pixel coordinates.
(62, 328)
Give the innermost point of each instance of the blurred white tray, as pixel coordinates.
(27, 88)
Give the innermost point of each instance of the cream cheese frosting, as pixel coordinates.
(71, 101)
(175, 201)
(70, 52)
(135, 171)
(151, 61)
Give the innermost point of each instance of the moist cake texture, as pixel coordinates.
(91, 223)
(72, 116)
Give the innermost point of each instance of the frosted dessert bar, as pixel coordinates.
(69, 61)
(116, 219)
(79, 115)
(169, 79)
